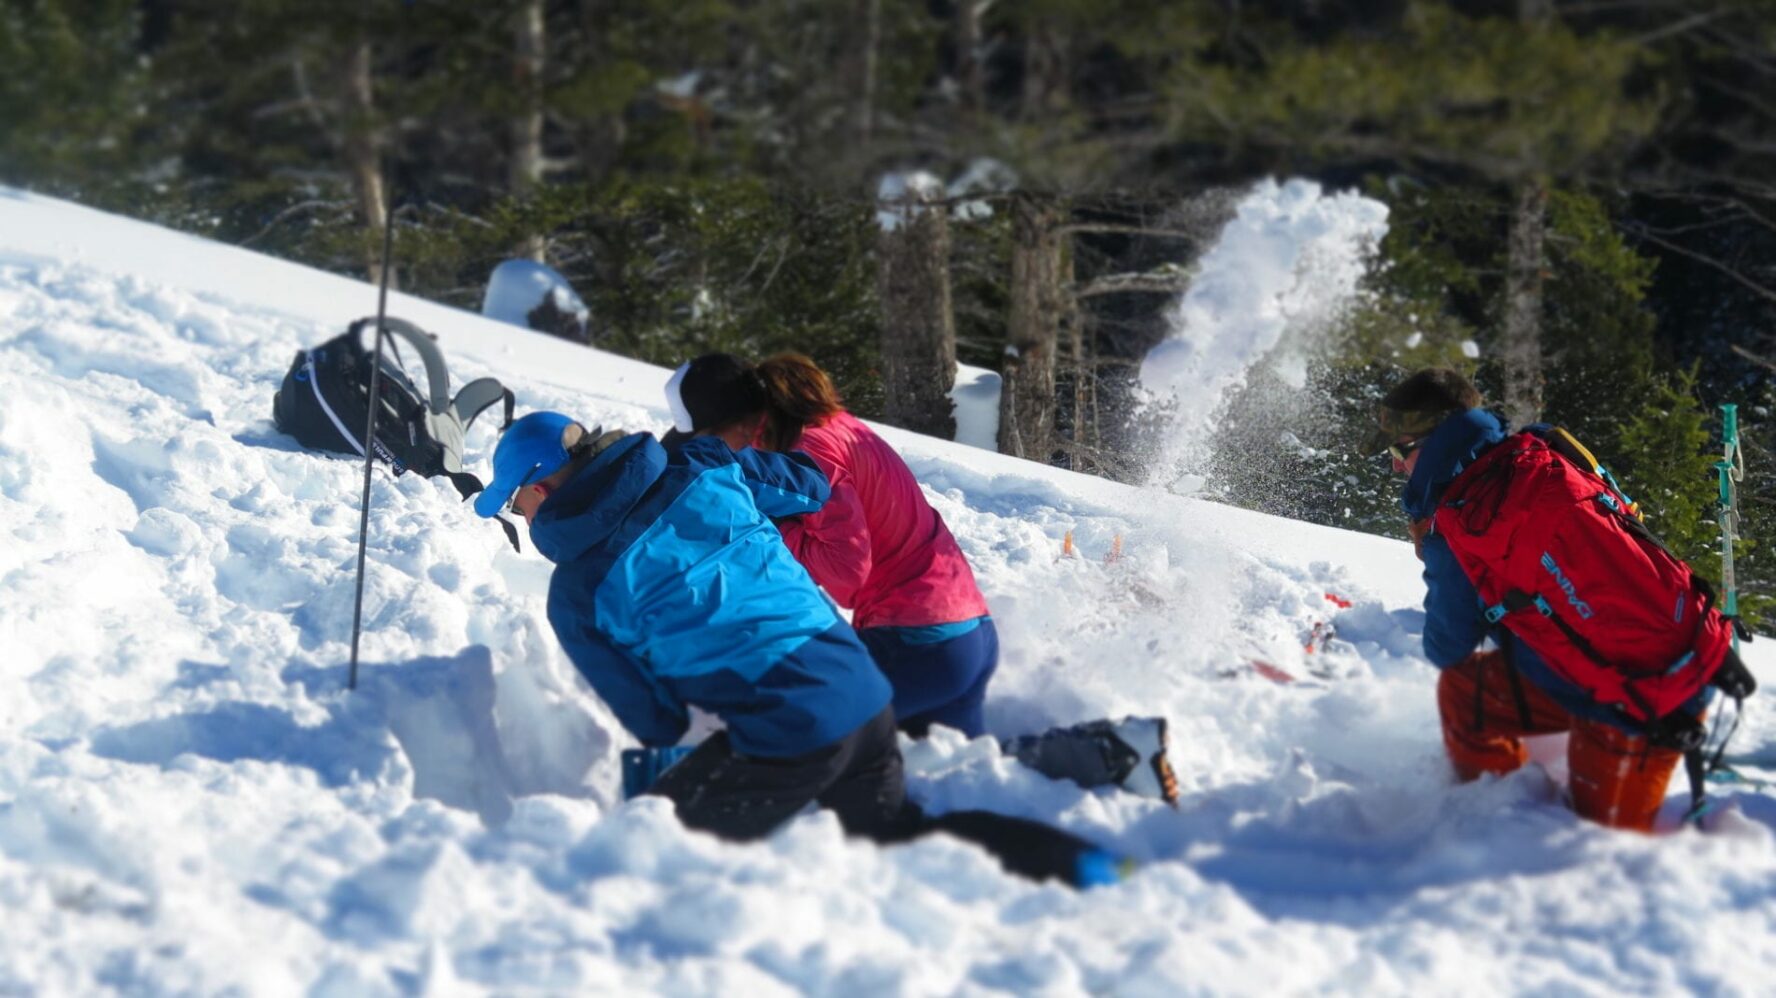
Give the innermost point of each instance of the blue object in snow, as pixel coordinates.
(642, 766)
(1097, 868)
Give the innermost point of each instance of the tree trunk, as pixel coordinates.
(1076, 345)
(918, 329)
(970, 70)
(526, 167)
(868, 52)
(1045, 73)
(1039, 309)
(361, 147)
(1520, 349)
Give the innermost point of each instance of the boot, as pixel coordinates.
(1130, 753)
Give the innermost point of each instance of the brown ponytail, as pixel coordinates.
(798, 394)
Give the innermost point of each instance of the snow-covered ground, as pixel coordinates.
(192, 802)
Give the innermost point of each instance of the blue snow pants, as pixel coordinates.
(936, 682)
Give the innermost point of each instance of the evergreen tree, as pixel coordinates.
(71, 94)
(1667, 465)
(1602, 367)
(1493, 97)
(741, 266)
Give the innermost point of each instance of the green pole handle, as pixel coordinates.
(1731, 467)
(1730, 447)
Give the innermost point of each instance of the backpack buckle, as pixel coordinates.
(1678, 666)
(1496, 613)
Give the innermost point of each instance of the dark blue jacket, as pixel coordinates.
(1454, 613)
(672, 588)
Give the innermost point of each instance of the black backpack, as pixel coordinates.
(324, 403)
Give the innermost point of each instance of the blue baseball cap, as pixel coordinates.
(534, 447)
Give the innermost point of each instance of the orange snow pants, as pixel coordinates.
(1618, 779)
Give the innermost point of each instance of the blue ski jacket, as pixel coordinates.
(673, 588)
(1455, 621)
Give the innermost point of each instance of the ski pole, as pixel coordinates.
(370, 436)
(388, 266)
(375, 386)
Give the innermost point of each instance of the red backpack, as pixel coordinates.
(1563, 562)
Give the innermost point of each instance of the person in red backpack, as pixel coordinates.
(1434, 427)
(879, 549)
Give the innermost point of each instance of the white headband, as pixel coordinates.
(681, 416)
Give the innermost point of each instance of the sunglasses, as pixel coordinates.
(1399, 451)
(512, 504)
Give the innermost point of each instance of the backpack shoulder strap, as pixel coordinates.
(465, 483)
(1566, 445)
(446, 419)
(437, 375)
(1562, 442)
(449, 427)
(477, 396)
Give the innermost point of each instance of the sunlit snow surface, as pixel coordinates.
(190, 801)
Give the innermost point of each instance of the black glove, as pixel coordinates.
(1677, 731)
(1733, 678)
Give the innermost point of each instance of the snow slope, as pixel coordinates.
(191, 802)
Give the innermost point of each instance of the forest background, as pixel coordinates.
(1581, 213)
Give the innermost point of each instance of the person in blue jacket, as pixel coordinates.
(673, 589)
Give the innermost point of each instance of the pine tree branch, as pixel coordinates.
(1154, 282)
(1746, 97)
(1120, 468)
(1736, 182)
(1108, 229)
(1684, 26)
(1760, 361)
(305, 101)
(1706, 260)
(1722, 208)
(285, 215)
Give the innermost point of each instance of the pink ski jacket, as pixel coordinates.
(877, 546)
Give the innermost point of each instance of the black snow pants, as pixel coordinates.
(861, 779)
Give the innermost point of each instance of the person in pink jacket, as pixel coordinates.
(879, 549)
